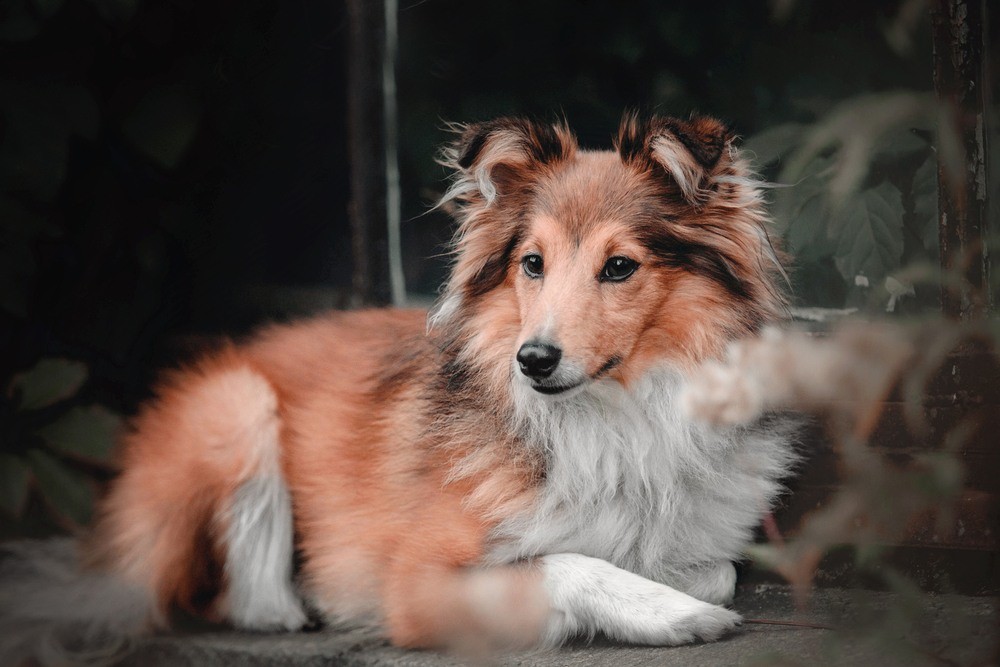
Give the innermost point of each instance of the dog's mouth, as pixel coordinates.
(553, 390)
(556, 389)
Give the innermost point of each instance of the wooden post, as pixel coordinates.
(959, 37)
(366, 143)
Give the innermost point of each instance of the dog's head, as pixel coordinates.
(573, 266)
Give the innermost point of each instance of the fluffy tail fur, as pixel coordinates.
(54, 611)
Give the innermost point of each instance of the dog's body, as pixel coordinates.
(517, 469)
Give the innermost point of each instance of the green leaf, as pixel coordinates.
(925, 203)
(773, 143)
(88, 433)
(68, 492)
(807, 238)
(50, 381)
(803, 211)
(868, 229)
(14, 477)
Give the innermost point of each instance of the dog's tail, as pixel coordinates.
(53, 610)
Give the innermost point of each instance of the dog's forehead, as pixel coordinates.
(592, 189)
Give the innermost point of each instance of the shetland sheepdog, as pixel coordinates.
(510, 470)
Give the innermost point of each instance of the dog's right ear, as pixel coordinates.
(687, 151)
(491, 159)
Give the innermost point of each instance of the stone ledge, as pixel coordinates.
(941, 629)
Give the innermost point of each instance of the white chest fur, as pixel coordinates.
(632, 480)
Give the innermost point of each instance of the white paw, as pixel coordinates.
(705, 622)
(671, 618)
(588, 595)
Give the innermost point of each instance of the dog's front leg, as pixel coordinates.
(588, 595)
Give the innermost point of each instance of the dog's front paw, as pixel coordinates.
(705, 622)
(588, 595)
(676, 618)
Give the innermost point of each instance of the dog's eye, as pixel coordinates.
(618, 268)
(532, 265)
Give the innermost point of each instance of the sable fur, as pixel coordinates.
(434, 493)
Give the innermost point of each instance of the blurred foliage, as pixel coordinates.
(849, 378)
(881, 499)
(52, 444)
(857, 191)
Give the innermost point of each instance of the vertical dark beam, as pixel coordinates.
(959, 35)
(366, 143)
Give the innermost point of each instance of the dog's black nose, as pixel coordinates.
(538, 360)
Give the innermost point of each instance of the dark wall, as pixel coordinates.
(172, 168)
(159, 163)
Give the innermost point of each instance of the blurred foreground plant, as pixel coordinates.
(49, 441)
(846, 377)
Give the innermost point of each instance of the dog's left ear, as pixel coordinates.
(689, 151)
(494, 158)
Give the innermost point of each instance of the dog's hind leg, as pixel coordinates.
(255, 516)
(201, 514)
(200, 517)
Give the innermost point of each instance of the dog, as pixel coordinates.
(511, 470)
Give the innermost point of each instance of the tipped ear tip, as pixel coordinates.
(539, 142)
(712, 130)
(704, 137)
(468, 144)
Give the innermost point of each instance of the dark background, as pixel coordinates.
(174, 168)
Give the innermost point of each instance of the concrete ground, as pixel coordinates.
(868, 628)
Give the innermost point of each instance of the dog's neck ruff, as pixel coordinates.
(631, 479)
